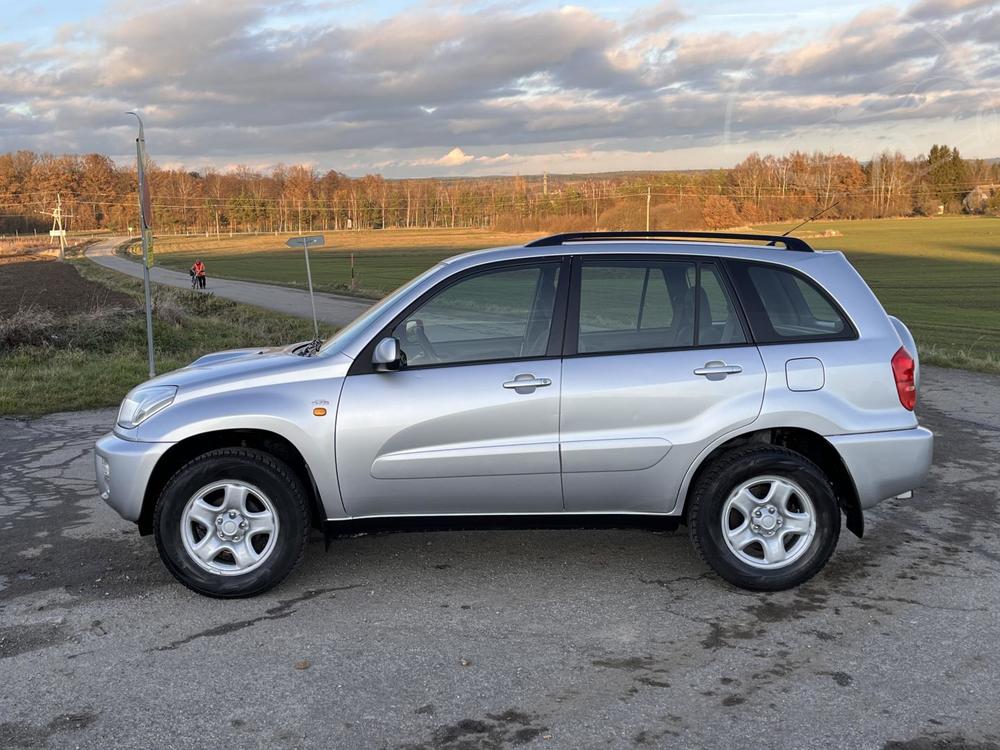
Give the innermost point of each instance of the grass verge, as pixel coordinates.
(61, 361)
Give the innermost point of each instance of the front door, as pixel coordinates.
(470, 424)
(658, 366)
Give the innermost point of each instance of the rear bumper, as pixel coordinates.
(123, 468)
(886, 464)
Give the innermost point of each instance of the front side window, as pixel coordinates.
(783, 306)
(496, 315)
(646, 305)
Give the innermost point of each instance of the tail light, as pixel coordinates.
(903, 372)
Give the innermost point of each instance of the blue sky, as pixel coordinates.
(40, 21)
(439, 87)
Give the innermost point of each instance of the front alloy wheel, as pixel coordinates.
(232, 522)
(229, 528)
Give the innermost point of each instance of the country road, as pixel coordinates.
(558, 638)
(330, 308)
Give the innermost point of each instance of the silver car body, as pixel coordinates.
(618, 433)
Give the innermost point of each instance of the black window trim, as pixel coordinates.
(850, 332)
(572, 329)
(362, 364)
(563, 336)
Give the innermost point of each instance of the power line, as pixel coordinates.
(57, 226)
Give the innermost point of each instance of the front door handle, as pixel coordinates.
(717, 370)
(526, 383)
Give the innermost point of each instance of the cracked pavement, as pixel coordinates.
(600, 637)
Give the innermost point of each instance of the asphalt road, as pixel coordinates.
(486, 639)
(329, 307)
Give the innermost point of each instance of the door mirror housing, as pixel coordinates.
(387, 355)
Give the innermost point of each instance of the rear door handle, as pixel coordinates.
(526, 383)
(718, 369)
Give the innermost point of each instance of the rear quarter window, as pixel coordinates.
(784, 306)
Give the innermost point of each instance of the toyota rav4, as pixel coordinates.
(757, 393)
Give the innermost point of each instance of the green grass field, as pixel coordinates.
(940, 275)
(383, 260)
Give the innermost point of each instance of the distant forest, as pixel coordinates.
(98, 194)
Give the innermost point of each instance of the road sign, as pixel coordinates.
(57, 232)
(306, 240)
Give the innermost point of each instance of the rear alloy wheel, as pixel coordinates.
(232, 522)
(768, 522)
(764, 518)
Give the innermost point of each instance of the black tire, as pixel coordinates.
(274, 478)
(725, 474)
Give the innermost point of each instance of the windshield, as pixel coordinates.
(348, 332)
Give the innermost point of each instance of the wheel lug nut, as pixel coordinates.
(243, 524)
(218, 521)
(770, 510)
(232, 514)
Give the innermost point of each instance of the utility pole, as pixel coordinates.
(648, 196)
(57, 226)
(545, 183)
(146, 232)
(595, 206)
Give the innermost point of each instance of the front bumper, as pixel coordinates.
(123, 469)
(886, 464)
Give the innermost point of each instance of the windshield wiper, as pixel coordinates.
(311, 348)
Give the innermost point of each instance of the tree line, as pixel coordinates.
(98, 194)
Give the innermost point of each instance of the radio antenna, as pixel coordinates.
(811, 218)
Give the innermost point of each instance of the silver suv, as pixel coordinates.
(755, 393)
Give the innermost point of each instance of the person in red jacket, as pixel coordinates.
(198, 269)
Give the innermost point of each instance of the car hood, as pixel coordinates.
(237, 369)
(230, 355)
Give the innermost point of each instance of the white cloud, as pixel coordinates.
(454, 158)
(501, 159)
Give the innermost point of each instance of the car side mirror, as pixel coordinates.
(387, 355)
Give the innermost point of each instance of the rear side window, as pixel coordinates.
(717, 320)
(630, 305)
(784, 306)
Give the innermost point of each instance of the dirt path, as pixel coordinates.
(329, 308)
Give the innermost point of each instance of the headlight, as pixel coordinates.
(143, 403)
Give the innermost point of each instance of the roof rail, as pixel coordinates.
(790, 243)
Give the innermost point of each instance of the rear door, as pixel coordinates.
(471, 423)
(658, 364)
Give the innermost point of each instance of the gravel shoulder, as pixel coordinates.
(483, 639)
